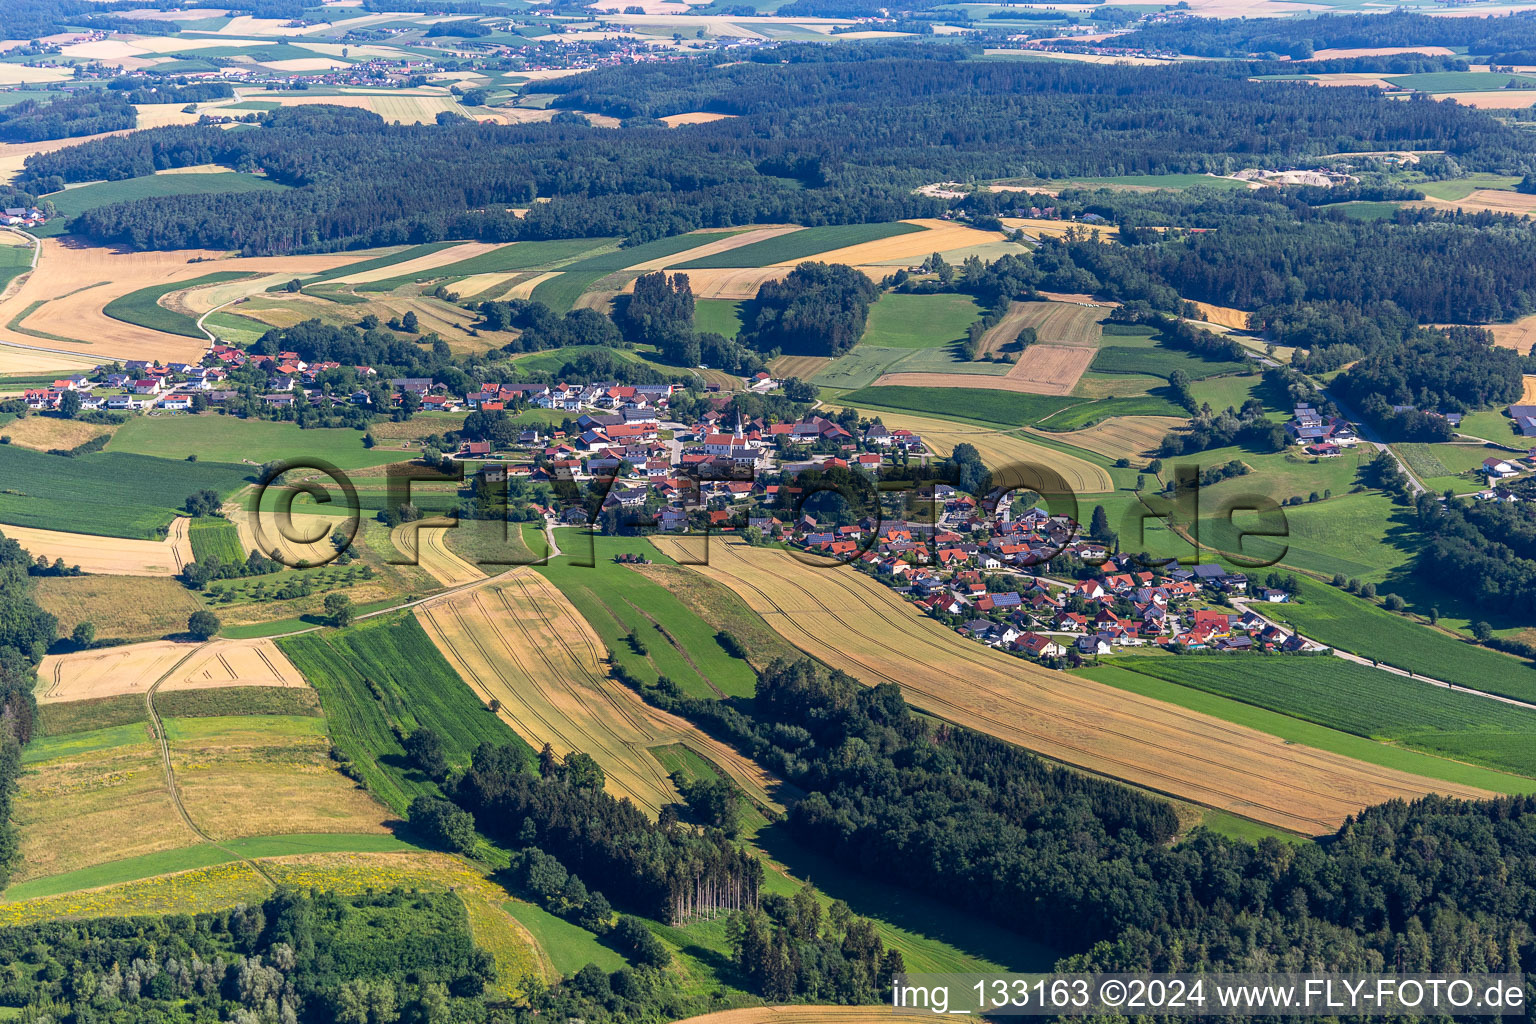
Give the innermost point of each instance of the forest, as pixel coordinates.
(800, 150)
(1481, 551)
(314, 957)
(1508, 39)
(72, 114)
(818, 309)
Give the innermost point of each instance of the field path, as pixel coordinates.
(854, 623)
(162, 741)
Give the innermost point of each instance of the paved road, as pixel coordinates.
(1369, 435)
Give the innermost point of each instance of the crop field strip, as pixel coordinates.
(1130, 437)
(134, 668)
(415, 687)
(520, 642)
(846, 620)
(1364, 701)
(789, 248)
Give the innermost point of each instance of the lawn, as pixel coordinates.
(142, 307)
(860, 366)
(115, 494)
(919, 321)
(969, 405)
(15, 260)
(1441, 466)
(1493, 425)
(219, 438)
(1145, 354)
(798, 245)
(384, 675)
(1347, 534)
(1367, 702)
(74, 201)
(717, 316)
(1081, 414)
(1294, 730)
(1355, 625)
(618, 601)
(569, 947)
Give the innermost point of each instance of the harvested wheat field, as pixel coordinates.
(309, 539)
(1129, 437)
(728, 283)
(1503, 99)
(1520, 335)
(426, 541)
(16, 361)
(804, 367)
(1224, 316)
(109, 556)
(1056, 228)
(419, 265)
(812, 1015)
(134, 668)
(521, 642)
(64, 298)
(1064, 323)
(262, 775)
(1489, 200)
(1005, 331)
(1528, 382)
(694, 117)
(937, 236)
(1335, 53)
(853, 623)
(96, 805)
(998, 448)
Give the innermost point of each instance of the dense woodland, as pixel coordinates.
(823, 135)
(316, 958)
(1481, 551)
(1508, 39)
(73, 114)
(817, 309)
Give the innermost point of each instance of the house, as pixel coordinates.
(1096, 643)
(1498, 469)
(1274, 596)
(1525, 419)
(1039, 646)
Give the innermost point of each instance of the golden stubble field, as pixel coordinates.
(998, 448)
(1131, 437)
(855, 624)
(64, 297)
(134, 668)
(521, 643)
(109, 556)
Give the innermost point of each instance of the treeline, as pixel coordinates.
(1501, 38)
(1089, 865)
(817, 309)
(71, 115)
(1450, 370)
(1484, 552)
(26, 630)
(373, 958)
(661, 313)
(135, 91)
(660, 869)
(799, 150)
